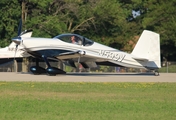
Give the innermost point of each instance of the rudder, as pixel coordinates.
(148, 47)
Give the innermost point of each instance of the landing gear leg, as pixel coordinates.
(49, 71)
(52, 71)
(46, 60)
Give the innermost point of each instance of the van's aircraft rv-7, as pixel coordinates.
(146, 53)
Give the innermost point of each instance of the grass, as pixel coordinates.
(169, 69)
(85, 101)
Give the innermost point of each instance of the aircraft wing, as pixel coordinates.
(68, 55)
(88, 60)
(87, 56)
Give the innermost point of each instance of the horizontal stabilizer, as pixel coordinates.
(141, 59)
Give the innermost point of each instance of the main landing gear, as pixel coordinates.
(156, 73)
(51, 71)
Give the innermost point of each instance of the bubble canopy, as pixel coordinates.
(80, 40)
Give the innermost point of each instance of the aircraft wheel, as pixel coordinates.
(37, 70)
(52, 71)
(156, 73)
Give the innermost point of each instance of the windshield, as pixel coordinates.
(75, 39)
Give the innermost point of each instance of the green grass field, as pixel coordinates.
(87, 101)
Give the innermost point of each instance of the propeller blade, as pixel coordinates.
(14, 60)
(17, 39)
(19, 27)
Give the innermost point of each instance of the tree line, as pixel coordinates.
(115, 23)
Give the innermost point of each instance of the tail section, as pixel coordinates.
(148, 49)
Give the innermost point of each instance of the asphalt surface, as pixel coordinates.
(89, 77)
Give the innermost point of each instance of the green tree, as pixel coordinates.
(161, 18)
(157, 16)
(9, 13)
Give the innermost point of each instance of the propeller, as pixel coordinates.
(17, 40)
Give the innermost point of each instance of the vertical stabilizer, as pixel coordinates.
(148, 47)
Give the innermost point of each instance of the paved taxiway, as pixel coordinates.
(88, 77)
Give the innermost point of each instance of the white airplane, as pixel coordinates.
(146, 53)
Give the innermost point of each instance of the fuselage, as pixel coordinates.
(96, 52)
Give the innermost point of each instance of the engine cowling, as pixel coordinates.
(53, 71)
(36, 70)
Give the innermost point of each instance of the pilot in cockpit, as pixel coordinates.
(73, 40)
